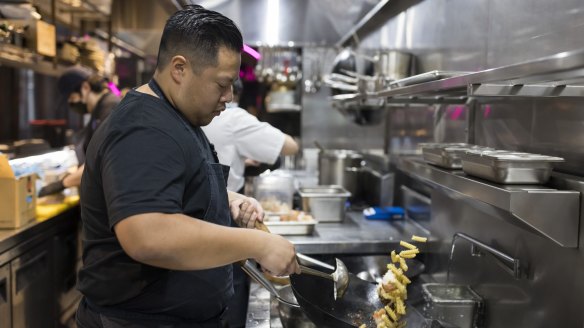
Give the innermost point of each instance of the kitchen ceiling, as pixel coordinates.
(263, 22)
(275, 22)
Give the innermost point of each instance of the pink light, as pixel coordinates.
(456, 113)
(487, 111)
(114, 89)
(251, 52)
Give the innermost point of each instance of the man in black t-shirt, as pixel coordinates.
(157, 246)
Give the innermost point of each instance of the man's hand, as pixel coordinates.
(278, 256)
(246, 211)
(251, 162)
(51, 188)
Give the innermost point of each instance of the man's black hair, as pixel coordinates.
(197, 34)
(97, 83)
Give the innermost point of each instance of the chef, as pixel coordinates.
(157, 245)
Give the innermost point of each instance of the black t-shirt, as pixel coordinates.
(141, 160)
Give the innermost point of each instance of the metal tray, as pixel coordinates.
(448, 156)
(508, 167)
(291, 227)
(326, 203)
(425, 77)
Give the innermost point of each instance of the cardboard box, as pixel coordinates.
(17, 197)
(40, 36)
(45, 38)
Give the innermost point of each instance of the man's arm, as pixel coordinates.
(74, 179)
(179, 242)
(290, 146)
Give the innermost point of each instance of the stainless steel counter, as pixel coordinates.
(355, 235)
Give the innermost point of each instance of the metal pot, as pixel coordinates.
(340, 167)
(393, 65)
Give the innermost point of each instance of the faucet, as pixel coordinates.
(510, 264)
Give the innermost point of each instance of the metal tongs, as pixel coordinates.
(340, 276)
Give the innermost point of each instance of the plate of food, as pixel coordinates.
(290, 223)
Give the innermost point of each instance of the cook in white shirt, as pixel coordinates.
(238, 135)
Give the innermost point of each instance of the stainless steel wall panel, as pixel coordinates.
(317, 22)
(322, 122)
(545, 298)
(439, 34)
(528, 29)
(545, 126)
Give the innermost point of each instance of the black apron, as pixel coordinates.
(92, 316)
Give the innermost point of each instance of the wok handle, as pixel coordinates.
(261, 226)
(310, 271)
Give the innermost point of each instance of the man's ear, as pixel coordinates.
(178, 67)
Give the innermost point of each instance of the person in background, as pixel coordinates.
(157, 243)
(240, 140)
(85, 93)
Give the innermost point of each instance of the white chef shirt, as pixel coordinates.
(238, 135)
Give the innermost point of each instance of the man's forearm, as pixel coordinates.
(179, 242)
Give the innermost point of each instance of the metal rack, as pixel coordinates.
(551, 212)
(559, 75)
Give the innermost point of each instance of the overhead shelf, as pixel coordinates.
(15, 57)
(560, 75)
(553, 213)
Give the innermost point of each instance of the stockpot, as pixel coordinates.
(340, 167)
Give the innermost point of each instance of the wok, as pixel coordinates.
(358, 304)
(354, 309)
(315, 298)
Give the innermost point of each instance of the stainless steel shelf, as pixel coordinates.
(553, 213)
(559, 75)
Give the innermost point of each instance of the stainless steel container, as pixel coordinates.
(335, 168)
(393, 65)
(448, 156)
(290, 228)
(507, 167)
(458, 305)
(325, 203)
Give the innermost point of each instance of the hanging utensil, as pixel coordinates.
(319, 146)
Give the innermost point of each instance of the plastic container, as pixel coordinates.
(274, 191)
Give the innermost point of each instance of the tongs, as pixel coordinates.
(340, 276)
